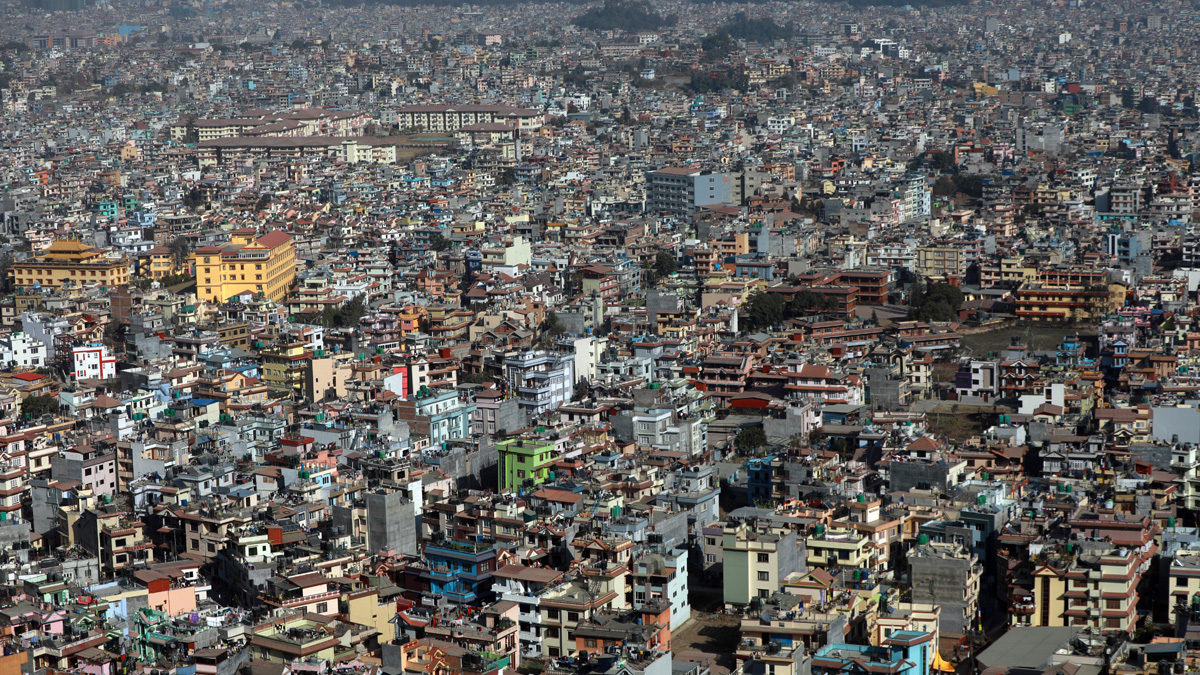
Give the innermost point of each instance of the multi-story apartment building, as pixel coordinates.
(680, 191)
(945, 575)
(521, 460)
(524, 586)
(541, 380)
(262, 267)
(284, 367)
(940, 262)
(756, 560)
(1092, 590)
(442, 117)
(662, 576)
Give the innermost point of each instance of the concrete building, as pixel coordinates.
(680, 191)
(756, 559)
(541, 380)
(391, 523)
(20, 350)
(945, 575)
(262, 267)
(524, 463)
(662, 576)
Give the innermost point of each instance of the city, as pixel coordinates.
(607, 337)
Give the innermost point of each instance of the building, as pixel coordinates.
(541, 380)
(1092, 590)
(904, 653)
(566, 606)
(285, 367)
(70, 262)
(941, 262)
(524, 586)
(355, 150)
(756, 560)
(454, 117)
(391, 523)
(92, 361)
(460, 569)
(439, 413)
(20, 350)
(680, 191)
(1067, 302)
(262, 267)
(524, 463)
(659, 577)
(947, 576)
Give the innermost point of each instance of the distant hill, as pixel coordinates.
(626, 15)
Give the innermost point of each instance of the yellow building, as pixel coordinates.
(73, 261)
(285, 367)
(1067, 302)
(157, 263)
(1097, 591)
(265, 266)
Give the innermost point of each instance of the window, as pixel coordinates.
(1180, 581)
(573, 617)
(1112, 604)
(764, 576)
(764, 593)
(322, 607)
(764, 557)
(552, 614)
(710, 558)
(589, 642)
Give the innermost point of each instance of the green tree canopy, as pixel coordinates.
(749, 440)
(36, 406)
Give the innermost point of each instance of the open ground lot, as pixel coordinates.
(710, 639)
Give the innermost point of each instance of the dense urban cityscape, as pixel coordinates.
(663, 337)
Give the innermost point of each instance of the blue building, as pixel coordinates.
(759, 480)
(905, 652)
(460, 569)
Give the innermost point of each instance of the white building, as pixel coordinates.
(19, 350)
(663, 576)
(44, 328)
(92, 361)
(541, 380)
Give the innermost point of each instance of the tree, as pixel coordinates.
(263, 202)
(942, 160)
(193, 199)
(664, 264)
(945, 187)
(346, 316)
(554, 326)
(629, 16)
(439, 243)
(763, 310)
(749, 440)
(34, 407)
(6, 263)
(181, 248)
(940, 302)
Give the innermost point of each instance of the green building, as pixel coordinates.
(524, 463)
